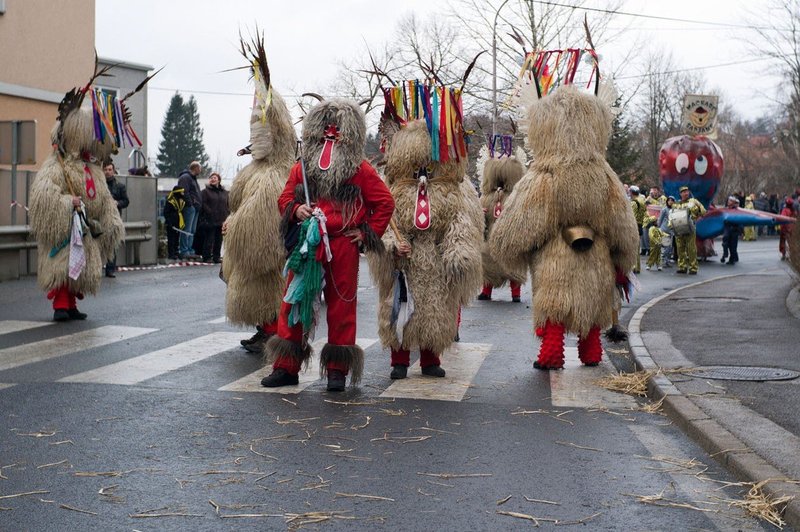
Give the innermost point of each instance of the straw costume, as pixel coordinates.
(568, 219)
(438, 221)
(75, 241)
(500, 169)
(254, 251)
(351, 205)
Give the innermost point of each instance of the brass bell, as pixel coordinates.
(580, 238)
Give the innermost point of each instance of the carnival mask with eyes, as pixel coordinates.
(695, 162)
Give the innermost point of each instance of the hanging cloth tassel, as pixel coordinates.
(402, 304)
(77, 254)
(304, 291)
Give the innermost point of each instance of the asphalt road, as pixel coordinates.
(148, 416)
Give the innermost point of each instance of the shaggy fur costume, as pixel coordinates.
(497, 182)
(351, 195)
(444, 269)
(254, 252)
(51, 207)
(568, 184)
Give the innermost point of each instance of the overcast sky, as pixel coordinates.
(196, 39)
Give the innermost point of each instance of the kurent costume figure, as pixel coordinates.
(500, 170)
(73, 216)
(254, 251)
(431, 262)
(570, 221)
(345, 203)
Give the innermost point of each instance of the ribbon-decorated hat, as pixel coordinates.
(441, 108)
(110, 116)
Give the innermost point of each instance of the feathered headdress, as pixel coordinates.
(544, 71)
(441, 108)
(110, 116)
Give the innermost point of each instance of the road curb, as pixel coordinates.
(180, 264)
(744, 462)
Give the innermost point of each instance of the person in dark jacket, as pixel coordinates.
(214, 212)
(173, 220)
(191, 193)
(120, 195)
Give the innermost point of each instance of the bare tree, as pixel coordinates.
(417, 50)
(658, 106)
(525, 26)
(776, 36)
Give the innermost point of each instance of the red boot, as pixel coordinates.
(590, 350)
(486, 293)
(551, 351)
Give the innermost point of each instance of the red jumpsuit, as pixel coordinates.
(375, 208)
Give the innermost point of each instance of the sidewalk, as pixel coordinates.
(753, 320)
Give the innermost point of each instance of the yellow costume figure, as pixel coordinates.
(654, 234)
(750, 230)
(639, 214)
(686, 243)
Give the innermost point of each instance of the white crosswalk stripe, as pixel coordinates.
(13, 357)
(307, 377)
(12, 326)
(221, 319)
(575, 386)
(144, 367)
(463, 362)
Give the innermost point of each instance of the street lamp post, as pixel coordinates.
(494, 69)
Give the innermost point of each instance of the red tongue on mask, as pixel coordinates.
(91, 191)
(498, 209)
(422, 211)
(331, 134)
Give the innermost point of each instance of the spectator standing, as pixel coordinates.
(214, 212)
(173, 220)
(120, 195)
(786, 229)
(668, 236)
(191, 194)
(730, 236)
(761, 204)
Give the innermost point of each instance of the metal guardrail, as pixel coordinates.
(24, 233)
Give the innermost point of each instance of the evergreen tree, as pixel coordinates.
(196, 146)
(622, 154)
(181, 137)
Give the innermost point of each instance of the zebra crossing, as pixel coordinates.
(573, 387)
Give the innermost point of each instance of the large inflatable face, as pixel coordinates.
(695, 162)
(334, 133)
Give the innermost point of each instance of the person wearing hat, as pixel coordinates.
(730, 236)
(687, 243)
(639, 214)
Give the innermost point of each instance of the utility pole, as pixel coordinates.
(494, 69)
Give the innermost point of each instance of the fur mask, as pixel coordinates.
(409, 149)
(344, 122)
(274, 136)
(568, 124)
(78, 135)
